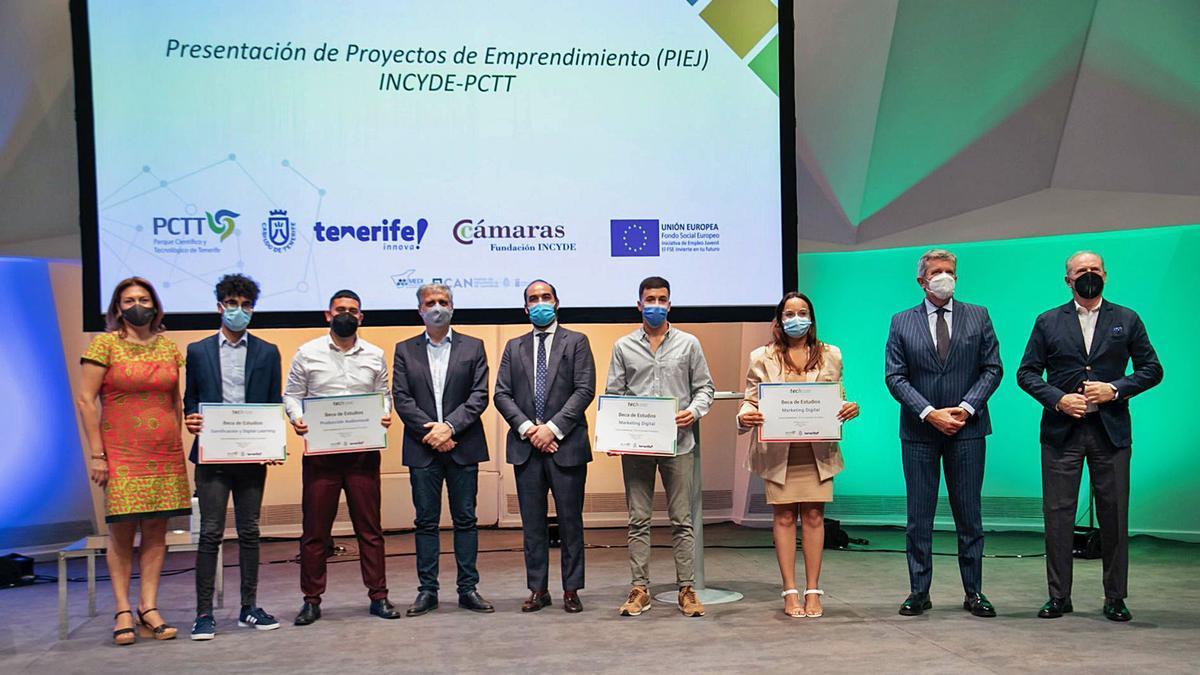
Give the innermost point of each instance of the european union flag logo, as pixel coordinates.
(635, 238)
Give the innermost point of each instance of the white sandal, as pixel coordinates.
(797, 613)
(813, 591)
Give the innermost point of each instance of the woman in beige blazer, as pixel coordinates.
(798, 476)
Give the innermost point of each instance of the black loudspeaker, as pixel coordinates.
(15, 570)
(835, 536)
(555, 540)
(1086, 544)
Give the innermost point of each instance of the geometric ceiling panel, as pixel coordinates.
(1013, 158)
(1135, 118)
(841, 56)
(958, 69)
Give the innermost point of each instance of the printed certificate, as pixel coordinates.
(344, 424)
(242, 433)
(636, 425)
(799, 411)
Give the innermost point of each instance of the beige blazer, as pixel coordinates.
(769, 460)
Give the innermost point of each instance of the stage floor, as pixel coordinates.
(860, 631)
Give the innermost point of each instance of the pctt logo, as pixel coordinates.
(220, 222)
(278, 233)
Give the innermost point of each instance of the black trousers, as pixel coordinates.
(534, 478)
(462, 486)
(1108, 466)
(214, 484)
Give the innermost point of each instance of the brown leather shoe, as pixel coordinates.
(571, 602)
(638, 602)
(688, 603)
(536, 601)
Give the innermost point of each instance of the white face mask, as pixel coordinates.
(941, 285)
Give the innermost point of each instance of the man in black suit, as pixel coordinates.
(546, 381)
(231, 366)
(1083, 348)
(440, 389)
(942, 365)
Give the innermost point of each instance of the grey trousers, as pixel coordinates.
(639, 497)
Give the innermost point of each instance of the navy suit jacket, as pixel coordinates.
(202, 383)
(1056, 348)
(464, 398)
(917, 378)
(570, 388)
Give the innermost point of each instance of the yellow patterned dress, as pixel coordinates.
(139, 424)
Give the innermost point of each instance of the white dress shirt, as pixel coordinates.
(1087, 324)
(321, 369)
(439, 364)
(233, 368)
(931, 314)
(549, 331)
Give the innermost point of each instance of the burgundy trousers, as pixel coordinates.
(325, 477)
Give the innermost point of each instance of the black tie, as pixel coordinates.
(943, 335)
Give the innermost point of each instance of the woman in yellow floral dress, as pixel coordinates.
(132, 371)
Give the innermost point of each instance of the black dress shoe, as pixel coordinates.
(1115, 610)
(384, 609)
(308, 614)
(473, 601)
(1055, 607)
(426, 602)
(915, 603)
(536, 601)
(978, 605)
(571, 602)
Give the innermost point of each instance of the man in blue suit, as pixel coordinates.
(547, 380)
(943, 363)
(1083, 348)
(232, 366)
(440, 389)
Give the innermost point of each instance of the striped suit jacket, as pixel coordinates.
(917, 378)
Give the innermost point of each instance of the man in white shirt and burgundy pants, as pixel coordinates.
(340, 364)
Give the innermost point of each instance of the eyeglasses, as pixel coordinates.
(247, 306)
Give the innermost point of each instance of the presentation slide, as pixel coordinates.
(381, 145)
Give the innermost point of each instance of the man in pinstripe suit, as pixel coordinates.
(942, 365)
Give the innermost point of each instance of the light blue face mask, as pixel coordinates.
(542, 314)
(235, 319)
(796, 326)
(654, 315)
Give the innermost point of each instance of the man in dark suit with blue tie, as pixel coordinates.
(231, 366)
(440, 389)
(943, 363)
(1083, 347)
(546, 381)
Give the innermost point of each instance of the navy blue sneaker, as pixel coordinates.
(204, 627)
(255, 617)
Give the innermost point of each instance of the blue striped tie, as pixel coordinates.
(539, 380)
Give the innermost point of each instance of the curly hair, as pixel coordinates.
(237, 286)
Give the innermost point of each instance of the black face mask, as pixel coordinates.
(1089, 285)
(138, 315)
(344, 325)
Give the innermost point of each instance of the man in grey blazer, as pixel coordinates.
(942, 365)
(546, 381)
